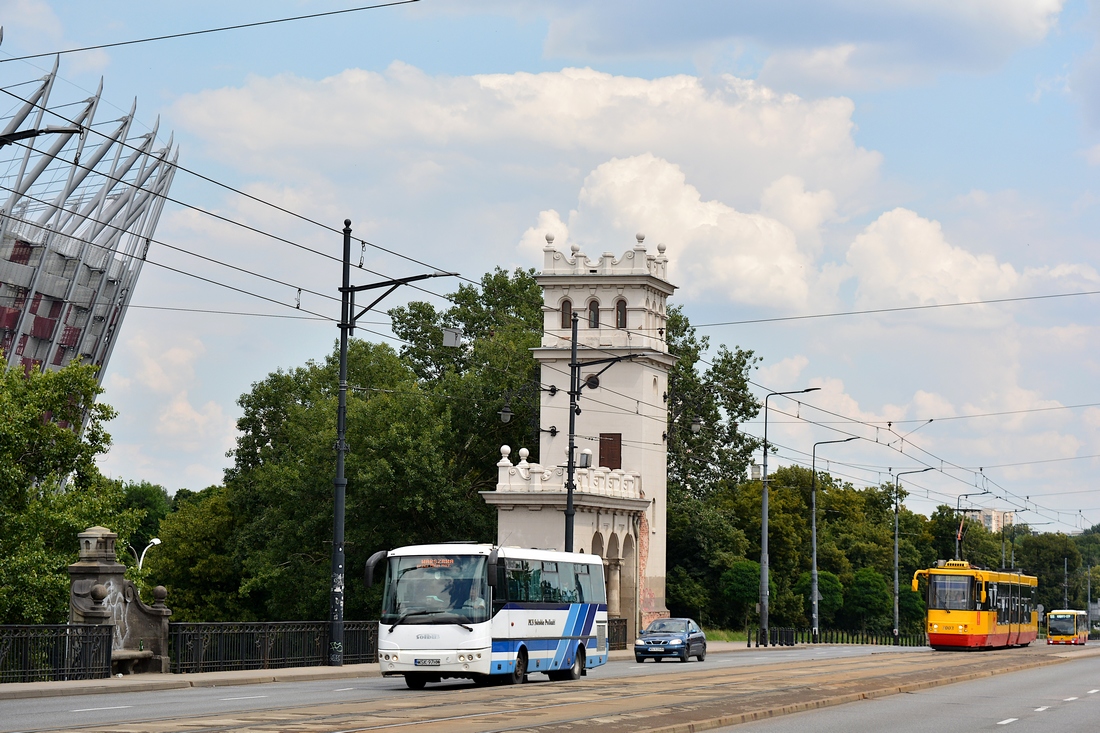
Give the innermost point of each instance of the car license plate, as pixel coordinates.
(425, 662)
(656, 649)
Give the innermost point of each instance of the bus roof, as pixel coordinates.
(1068, 611)
(518, 553)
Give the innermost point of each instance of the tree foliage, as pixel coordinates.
(50, 489)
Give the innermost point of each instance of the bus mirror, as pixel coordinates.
(372, 563)
(494, 562)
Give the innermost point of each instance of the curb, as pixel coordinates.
(752, 715)
(156, 683)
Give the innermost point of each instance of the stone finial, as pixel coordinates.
(523, 453)
(159, 594)
(505, 451)
(574, 248)
(98, 592)
(549, 239)
(640, 237)
(661, 248)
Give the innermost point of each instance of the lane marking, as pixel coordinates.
(1045, 707)
(1006, 721)
(1069, 699)
(113, 707)
(344, 689)
(1093, 692)
(248, 697)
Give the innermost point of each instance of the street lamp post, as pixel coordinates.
(141, 559)
(897, 479)
(813, 529)
(764, 518)
(576, 384)
(348, 319)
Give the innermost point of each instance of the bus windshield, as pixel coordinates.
(436, 589)
(1062, 624)
(949, 592)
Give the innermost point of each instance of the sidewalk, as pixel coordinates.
(151, 682)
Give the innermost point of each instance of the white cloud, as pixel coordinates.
(447, 130)
(843, 43)
(782, 374)
(903, 258)
(714, 250)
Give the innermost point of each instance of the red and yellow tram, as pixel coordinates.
(972, 608)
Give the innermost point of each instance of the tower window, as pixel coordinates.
(567, 314)
(620, 314)
(594, 314)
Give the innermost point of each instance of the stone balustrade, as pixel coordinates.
(531, 477)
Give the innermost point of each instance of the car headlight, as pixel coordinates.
(639, 642)
(674, 642)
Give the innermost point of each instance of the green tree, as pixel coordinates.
(831, 593)
(196, 561)
(152, 501)
(50, 489)
(740, 590)
(868, 600)
(1046, 556)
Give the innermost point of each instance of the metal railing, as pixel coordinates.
(50, 652)
(616, 634)
(789, 636)
(217, 647)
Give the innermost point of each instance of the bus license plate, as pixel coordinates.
(425, 662)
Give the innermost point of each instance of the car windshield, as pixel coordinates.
(1061, 624)
(666, 626)
(436, 589)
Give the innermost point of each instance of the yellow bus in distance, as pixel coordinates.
(1067, 627)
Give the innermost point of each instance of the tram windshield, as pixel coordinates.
(1062, 624)
(436, 589)
(950, 592)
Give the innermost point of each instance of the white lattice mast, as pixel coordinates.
(80, 209)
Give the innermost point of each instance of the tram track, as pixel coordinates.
(650, 702)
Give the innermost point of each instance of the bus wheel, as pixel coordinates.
(415, 681)
(519, 674)
(575, 672)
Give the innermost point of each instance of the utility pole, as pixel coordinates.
(1065, 582)
(348, 318)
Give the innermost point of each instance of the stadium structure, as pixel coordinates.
(81, 200)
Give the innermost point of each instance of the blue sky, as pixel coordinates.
(796, 157)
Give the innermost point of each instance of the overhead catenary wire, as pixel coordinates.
(221, 29)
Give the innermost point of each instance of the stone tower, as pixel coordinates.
(619, 501)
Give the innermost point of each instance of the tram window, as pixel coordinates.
(950, 592)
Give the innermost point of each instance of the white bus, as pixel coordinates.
(489, 613)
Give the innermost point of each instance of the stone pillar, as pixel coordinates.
(614, 580)
(100, 594)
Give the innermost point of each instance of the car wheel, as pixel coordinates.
(702, 655)
(638, 659)
(415, 681)
(519, 674)
(684, 656)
